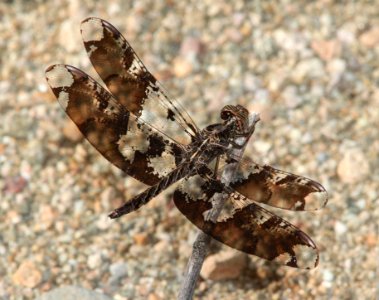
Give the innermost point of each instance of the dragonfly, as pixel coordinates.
(137, 127)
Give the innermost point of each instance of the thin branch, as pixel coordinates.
(201, 244)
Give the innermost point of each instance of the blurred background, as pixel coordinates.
(311, 69)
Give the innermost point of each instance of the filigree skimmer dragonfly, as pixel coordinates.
(148, 135)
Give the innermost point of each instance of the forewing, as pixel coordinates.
(131, 83)
(118, 135)
(245, 226)
(277, 188)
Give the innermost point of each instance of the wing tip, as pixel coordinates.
(59, 76)
(316, 200)
(49, 68)
(90, 18)
(94, 20)
(62, 75)
(89, 29)
(305, 258)
(53, 66)
(307, 255)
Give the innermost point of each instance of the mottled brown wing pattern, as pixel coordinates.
(246, 226)
(131, 145)
(141, 131)
(131, 83)
(277, 188)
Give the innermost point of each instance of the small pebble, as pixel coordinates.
(27, 275)
(223, 265)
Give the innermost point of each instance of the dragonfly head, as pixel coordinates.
(236, 116)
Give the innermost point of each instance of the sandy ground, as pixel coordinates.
(311, 71)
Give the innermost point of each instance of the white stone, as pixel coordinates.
(340, 228)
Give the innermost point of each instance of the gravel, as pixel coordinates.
(311, 71)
